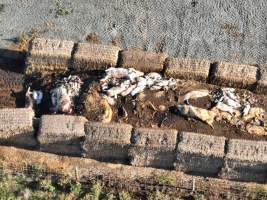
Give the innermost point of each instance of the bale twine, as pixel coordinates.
(49, 56)
(90, 56)
(235, 75)
(63, 131)
(107, 141)
(16, 127)
(142, 60)
(189, 69)
(153, 148)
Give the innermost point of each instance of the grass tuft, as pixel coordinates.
(60, 10)
(124, 196)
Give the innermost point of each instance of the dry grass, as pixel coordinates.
(118, 41)
(23, 40)
(232, 29)
(93, 38)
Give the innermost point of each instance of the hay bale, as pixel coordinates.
(153, 148)
(107, 141)
(16, 127)
(262, 83)
(184, 68)
(200, 154)
(142, 60)
(63, 131)
(235, 75)
(246, 161)
(95, 57)
(49, 56)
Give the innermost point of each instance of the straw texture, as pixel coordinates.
(48, 56)
(107, 141)
(16, 127)
(246, 161)
(60, 128)
(61, 134)
(235, 75)
(153, 148)
(184, 68)
(142, 60)
(95, 57)
(200, 153)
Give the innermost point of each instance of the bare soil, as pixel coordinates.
(11, 89)
(156, 109)
(146, 112)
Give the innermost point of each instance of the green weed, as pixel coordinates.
(75, 188)
(61, 10)
(124, 196)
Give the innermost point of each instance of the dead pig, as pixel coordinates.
(65, 93)
(204, 115)
(195, 94)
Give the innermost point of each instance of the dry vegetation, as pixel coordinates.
(22, 41)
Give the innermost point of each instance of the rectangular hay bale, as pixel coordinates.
(235, 75)
(142, 60)
(107, 141)
(184, 68)
(200, 154)
(246, 160)
(153, 148)
(16, 127)
(90, 56)
(49, 56)
(61, 134)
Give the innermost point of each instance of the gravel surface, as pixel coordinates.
(230, 30)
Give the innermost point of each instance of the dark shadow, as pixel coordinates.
(212, 72)
(12, 60)
(20, 98)
(22, 141)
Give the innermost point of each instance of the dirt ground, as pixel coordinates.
(145, 112)
(11, 89)
(156, 109)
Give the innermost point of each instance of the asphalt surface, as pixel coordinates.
(229, 30)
